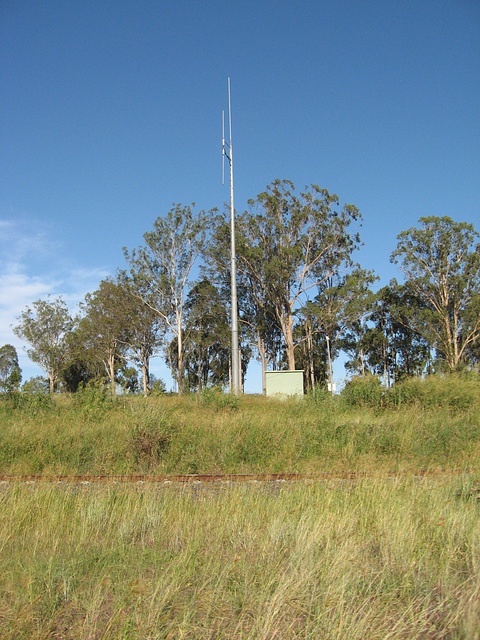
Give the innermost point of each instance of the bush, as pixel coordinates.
(93, 400)
(363, 391)
(29, 403)
(320, 397)
(150, 435)
(216, 398)
(457, 392)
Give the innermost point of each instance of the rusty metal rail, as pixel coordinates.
(219, 477)
(183, 477)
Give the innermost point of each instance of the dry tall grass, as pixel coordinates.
(374, 559)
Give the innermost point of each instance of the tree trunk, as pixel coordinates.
(111, 373)
(199, 373)
(145, 378)
(286, 325)
(262, 352)
(330, 368)
(180, 360)
(290, 347)
(51, 381)
(311, 364)
(386, 377)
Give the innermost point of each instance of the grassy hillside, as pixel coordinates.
(417, 425)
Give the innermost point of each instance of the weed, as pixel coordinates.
(28, 403)
(360, 392)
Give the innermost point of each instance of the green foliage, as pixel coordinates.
(36, 384)
(46, 328)
(162, 268)
(30, 403)
(145, 325)
(413, 426)
(207, 337)
(215, 397)
(320, 397)
(93, 401)
(157, 387)
(104, 329)
(288, 244)
(457, 392)
(10, 373)
(441, 263)
(363, 391)
(150, 434)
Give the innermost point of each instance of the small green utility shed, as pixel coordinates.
(284, 383)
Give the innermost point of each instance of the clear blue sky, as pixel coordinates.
(111, 111)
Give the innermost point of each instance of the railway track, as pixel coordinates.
(216, 477)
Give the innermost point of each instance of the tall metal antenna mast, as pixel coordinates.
(227, 153)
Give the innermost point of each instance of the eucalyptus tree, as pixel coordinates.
(291, 244)
(10, 372)
(441, 263)
(145, 326)
(80, 368)
(385, 343)
(342, 300)
(379, 337)
(412, 352)
(36, 385)
(46, 328)
(382, 340)
(163, 267)
(258, 318)
(103, 329)
(207, 336)
(355, 344)
(311, 353)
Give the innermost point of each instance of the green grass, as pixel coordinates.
(376, 559)
(418, 425)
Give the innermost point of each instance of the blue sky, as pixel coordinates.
(111, 111)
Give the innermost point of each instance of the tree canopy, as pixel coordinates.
(45, 328)
(441, 263)
(10, 373)
(164, 264)
(291, 244)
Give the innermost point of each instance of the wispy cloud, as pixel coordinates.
(18, 290)
(32, 267)
(22, 243)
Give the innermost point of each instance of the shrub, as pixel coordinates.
(150, 435)
(93, 401)
(29, 403)
(216, 398)
(363, 391)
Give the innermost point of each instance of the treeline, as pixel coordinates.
(302, 299)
